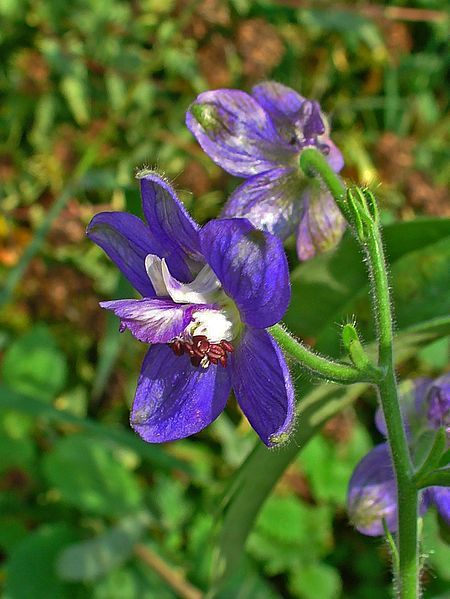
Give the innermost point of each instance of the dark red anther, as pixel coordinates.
(189, 348)
(201, 352)
(215, 351)
(177, 347)
(201, 343)
(195, 360)
(227, 346)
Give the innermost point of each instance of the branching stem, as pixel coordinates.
(313, 162)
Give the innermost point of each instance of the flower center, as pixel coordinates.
(201, 351)
(209, 336)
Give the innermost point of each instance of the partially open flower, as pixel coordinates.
(260, 137)
(208, 294)
(372, 493)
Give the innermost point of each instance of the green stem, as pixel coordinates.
(326, 368)
(407, 495)
(312, 161)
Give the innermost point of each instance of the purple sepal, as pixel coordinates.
(321, 223)
(440, 496)
(281, 103)
(152, 320)
(270, 201)
(127, 241)
(237, 133)
(175, 399)
(372, 493)
(438, 403)
(263, 386)
(174, 233)
(252, 267)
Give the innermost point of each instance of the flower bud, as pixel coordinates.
(372, 493)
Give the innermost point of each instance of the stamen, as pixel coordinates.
(201, 352)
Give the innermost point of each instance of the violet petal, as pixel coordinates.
(174, 233)
(321, 223)
(282, 104)
(438, 403)
(372, 493)
(441, 497)
(334, 156)
(263, 386)
(175, 399)
(127, 241)
(152, 320)
(252, 267)
(237, 133)
(270, 201)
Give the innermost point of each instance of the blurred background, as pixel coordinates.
(91, 91)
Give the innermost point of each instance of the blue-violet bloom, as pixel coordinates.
(208, 294)
(372, 494)
(260, 137)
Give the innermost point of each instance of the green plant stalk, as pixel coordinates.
(323, 367)
(312, 161)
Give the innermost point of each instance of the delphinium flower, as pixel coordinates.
(209, 293)
(372, 489)
(260, 137)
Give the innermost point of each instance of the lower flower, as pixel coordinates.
(372, 493)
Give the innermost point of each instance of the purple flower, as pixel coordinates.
(372, 494)
(208, 295)
(260, 137)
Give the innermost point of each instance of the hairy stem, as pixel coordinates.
(326, 368)
(313, 162)
(407, 496)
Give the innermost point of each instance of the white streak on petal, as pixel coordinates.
(153, 266)
(204, 289)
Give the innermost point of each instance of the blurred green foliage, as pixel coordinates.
(90, 91)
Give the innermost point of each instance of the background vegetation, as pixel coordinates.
(91, 90)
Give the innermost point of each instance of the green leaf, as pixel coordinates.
(435, 550)
(316, 580)
(75, 89)
(92, 559)
(89, 477)
(439, 478)
(287, 530)
(119, 584)
(253, 482)
(329, 466)
(31, 569)
(418, 253)
(11, 400)
(16, 453)
(34, 365)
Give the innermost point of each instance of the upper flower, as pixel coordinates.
(372, 494)
(208, 294)
(260, 137)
